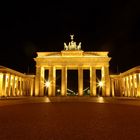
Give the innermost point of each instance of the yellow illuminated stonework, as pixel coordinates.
(127, 83)
(13, 83)
(72, 57)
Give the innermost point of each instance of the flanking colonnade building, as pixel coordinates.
(126, 84)
(14, 83)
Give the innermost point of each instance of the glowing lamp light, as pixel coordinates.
(100, 84)
(47, 84)
(58, 90)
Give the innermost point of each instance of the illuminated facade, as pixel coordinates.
(13, 83)
(71, 58)
(127, 83)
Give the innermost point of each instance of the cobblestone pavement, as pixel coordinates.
(70, 118)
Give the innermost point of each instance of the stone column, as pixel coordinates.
(32, 87)
(23, 87)
(123, 86)
(37, 80)
(92, 81)
(138, 84)
(52, 80)
(133, 84)
(64, 81)
(4, 84)
(112, 87)
(9, 85)
(80, 81)
(1, 84)
(126, 86)
(13, 85)
(103, 80)
(107, 78)
(41, 82)
(129, 86)
(106, 81)
(120, 82)
(16, 86)
(20, 86)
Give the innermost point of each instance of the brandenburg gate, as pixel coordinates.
(71, 58)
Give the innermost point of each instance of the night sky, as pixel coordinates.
(101, 25)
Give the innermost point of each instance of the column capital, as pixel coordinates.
(92, 67)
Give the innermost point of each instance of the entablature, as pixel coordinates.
(71, 53)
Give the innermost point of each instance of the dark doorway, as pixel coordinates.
(58, 83)
(72, 82)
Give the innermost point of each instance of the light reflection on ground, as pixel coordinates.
(100, 100)
(47, 100)
(70, 118)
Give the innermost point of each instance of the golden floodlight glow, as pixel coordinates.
(135, 81)
(101, 100)
(58, 90)
(1, 75)
(11, 82)
(47, 83)
(47, 100)
(1, 83)
(100, 83)
(7, 76)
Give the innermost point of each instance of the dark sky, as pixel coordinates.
(101, 25)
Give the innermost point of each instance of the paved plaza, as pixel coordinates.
(69, 118)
